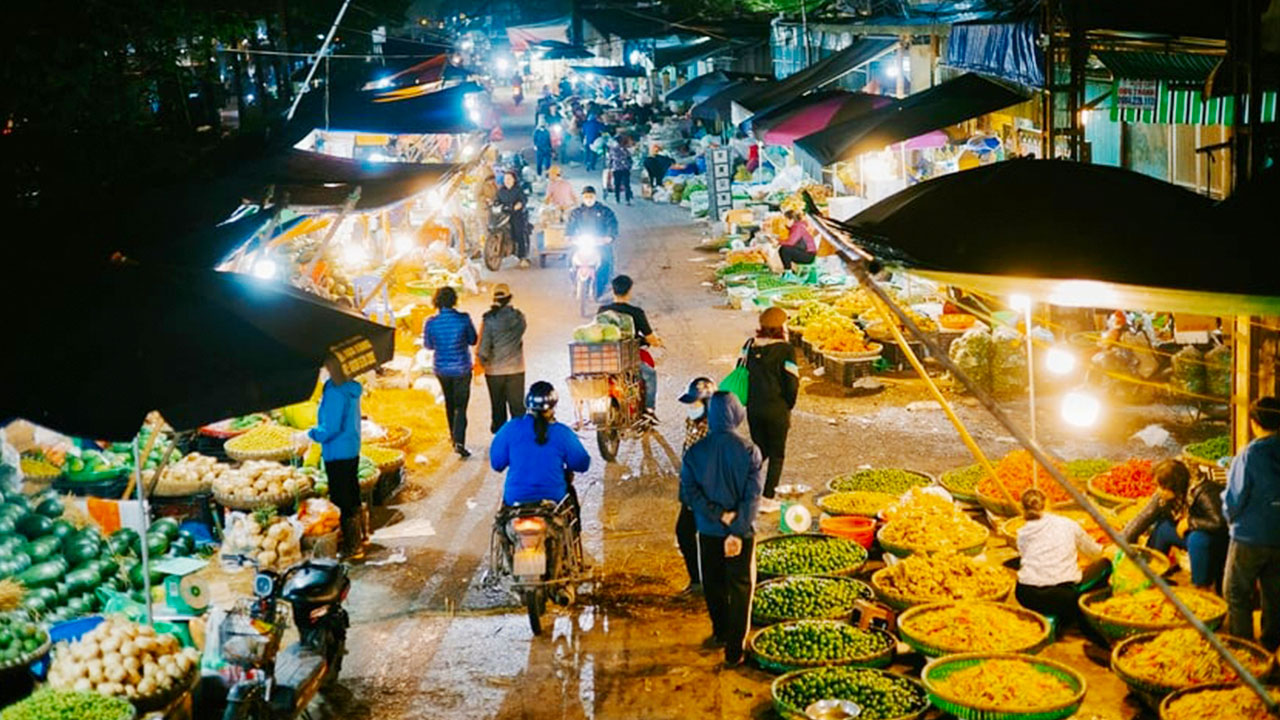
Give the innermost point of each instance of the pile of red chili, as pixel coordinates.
(1130, 479)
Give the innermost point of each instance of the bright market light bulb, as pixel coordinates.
(503, 64)
(1059, 361)
(354, 255)
(475, 116)
(891, 71)
(635, 57)
(265, 269)
(877, 168)
(404, 242)
(1080, 409)
(1020, 302)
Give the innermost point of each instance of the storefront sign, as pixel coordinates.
(719, 182)
(1139, 94)
(355, 355)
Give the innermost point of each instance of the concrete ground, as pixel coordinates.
(427, 642)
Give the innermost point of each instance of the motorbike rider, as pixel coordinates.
(644, 333)
(515, 204)
(596, 219)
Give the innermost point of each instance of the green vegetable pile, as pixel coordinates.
(885, 480)
(964, 479)
(809, 555)
(769, 282)
(67, 705)
(820, 642)
(1213, 449)
(808, 598)
(742, 268)
(1085, 469)
(809, 311)
(19, 637)
(881, 695)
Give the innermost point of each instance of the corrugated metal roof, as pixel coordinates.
(1178, 68)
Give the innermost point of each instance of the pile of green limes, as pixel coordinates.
(885, 480)
(19, 637)
(809, 555)
(805, 598)
(881, 695)
(817, 642)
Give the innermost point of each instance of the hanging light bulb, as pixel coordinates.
(1059, 361)
(265, 269)
(1081, 409)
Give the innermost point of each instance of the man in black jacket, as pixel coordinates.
(773, 384)
(501, 354)
(593, 218)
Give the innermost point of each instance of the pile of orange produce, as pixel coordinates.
(1014, 471)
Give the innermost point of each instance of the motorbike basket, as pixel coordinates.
(247, 642)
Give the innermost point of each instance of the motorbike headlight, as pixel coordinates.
(586, 241)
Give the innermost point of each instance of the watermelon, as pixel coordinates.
(50, 507)
(46, 573)
(34, 525)
(165, 526)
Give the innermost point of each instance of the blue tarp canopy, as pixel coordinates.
(1007, 50)
(622, 71)
(826, 70)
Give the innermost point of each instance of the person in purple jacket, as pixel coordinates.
(450, 335)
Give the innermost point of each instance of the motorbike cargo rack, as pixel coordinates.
(604, 358)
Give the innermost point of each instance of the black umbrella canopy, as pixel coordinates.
(113, 342)
(1063, 220)
(719, 105)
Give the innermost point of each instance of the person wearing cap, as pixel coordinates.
(1252, 505)
(773, 383)
(593, 218)
(695, 428)
(560, 192)
(501, 355)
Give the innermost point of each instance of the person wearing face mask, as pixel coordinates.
(593, 218)
(695, 428)
(513, 201)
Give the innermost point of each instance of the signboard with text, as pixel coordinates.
(1140, 94)
(719, 182)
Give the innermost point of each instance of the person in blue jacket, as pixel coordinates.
(450, 335)
(720, 479)
(1252, 505)
(338, 432)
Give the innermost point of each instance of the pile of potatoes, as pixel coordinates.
(120, 658)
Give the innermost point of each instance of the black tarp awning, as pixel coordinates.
(556, 50)
(704, 86)
(314, 180)
(619, 71)
(826, 70)
(720, 105)
(943, 105)
(1061, 230)
(438, 112)
(688, 52)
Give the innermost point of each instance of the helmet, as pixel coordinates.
(700, 388)
(541, 397)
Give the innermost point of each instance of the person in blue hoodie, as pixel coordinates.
(450, 335)
(1252, 505)
(720, 479)
(338, 432)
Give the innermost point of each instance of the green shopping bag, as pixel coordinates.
(737, 381)
(1126, 578)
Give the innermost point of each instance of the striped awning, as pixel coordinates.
(1189, 107)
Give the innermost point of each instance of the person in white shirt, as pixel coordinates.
(1049, 573)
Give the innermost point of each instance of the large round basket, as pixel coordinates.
(1167, 704)
(901, 602)
(1114, 629)
(903, 550)
(162, 700)
(397, 437)
(823, 502)
(782, 664)
(996, 504)
(282, 500)
(791, 712)
(1104, 498)
(932, 648)
(850, 481)
(863, 590)
(1153, 691)
(967, 709)
(1186, 456)
(26, 659)
(778, 540)
(946, 480)
(871, 354)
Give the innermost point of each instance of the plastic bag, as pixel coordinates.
(1126, 577)
(1218, 371)
(1189, 373)
(972, 352)
(1008, 362)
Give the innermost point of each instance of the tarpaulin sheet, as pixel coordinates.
(438, 112)
(308, 179)
(719, 105)
(620, 71)
(704, 86)
(943, 105)
(826, 70)
(1005, 50)
(522, 36)
(808, 114)
(687, 53)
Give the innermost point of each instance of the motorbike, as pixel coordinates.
(584, 266)
(499, 243)
(267, 683)
(539, 547)
(517, 93)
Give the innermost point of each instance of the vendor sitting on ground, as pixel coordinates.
(800, 247)
(1049, 573)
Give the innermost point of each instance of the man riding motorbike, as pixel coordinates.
(592, 218)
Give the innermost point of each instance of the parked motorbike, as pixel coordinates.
(584, 267)
(538, 546)
(499, 243)
(265, 682)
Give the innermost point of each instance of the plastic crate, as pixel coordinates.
(845, 372)
(604, 358)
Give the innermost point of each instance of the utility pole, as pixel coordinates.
(315, 61)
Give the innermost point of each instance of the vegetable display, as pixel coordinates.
(261, 482)
(881, 695)
(815, 642)
(809, 555)
(974, 627)
(963, 480)
(1211, 450)
(273, 541)
(1149, 607)
(946, 576)
(68, 705)
(1087, 468)
(802, 598)
(866, 504)
(1213, 703)
(1131, 479)
(1180, 658)
(19, 638)
(264, 442)
(318, 516)
(192, 474)
(1007, 684)
(926, 522)
(1015, 472)
(885, 480)
(124, 659)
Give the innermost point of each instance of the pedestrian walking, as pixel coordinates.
(773, 382)
(338, 432)
(592, 129)
(1252, 505)
(720, 480)
(542, 147)
(450, 335)
(501, 355)
(620, 165)
(695, 428)
(515, 204)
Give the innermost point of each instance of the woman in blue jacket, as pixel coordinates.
(338, 432)
(537, 452)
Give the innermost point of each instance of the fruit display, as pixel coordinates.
(807, 314)
(962, 483)
(845, 342)
(973, 626)
(795, 201)
(924, 522)
(821, 642)
(932, 578)
(384, 457)
(746, 256)
(275, 542)
(1085, 469)
(806, 598)
(1149, 608)
(880, 694)
(1216, 702)
(809, 554)
(884, 480)
(123, 659)
(92, 465)
(388, 436)
(261, 482)
(20, 639)
(1003, 682)
(1015, 474)
(193, 474)
(265, 442)
(1211, 450)
(819, 328)
(37, 469)
(792, 297)
(69, 705)
(1130, 480)
(858, 502)
(1175, 659)
(854, 302)
(873, 321)
(318, 516)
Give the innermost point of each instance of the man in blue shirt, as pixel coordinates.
(1252, 505)
(450, 335)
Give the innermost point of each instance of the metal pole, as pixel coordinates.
(1031, 374)
(315, 61)
(858, 260)
(142, 506)
(804, 32)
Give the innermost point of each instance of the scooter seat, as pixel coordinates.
(299, 672)
(317, 582)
